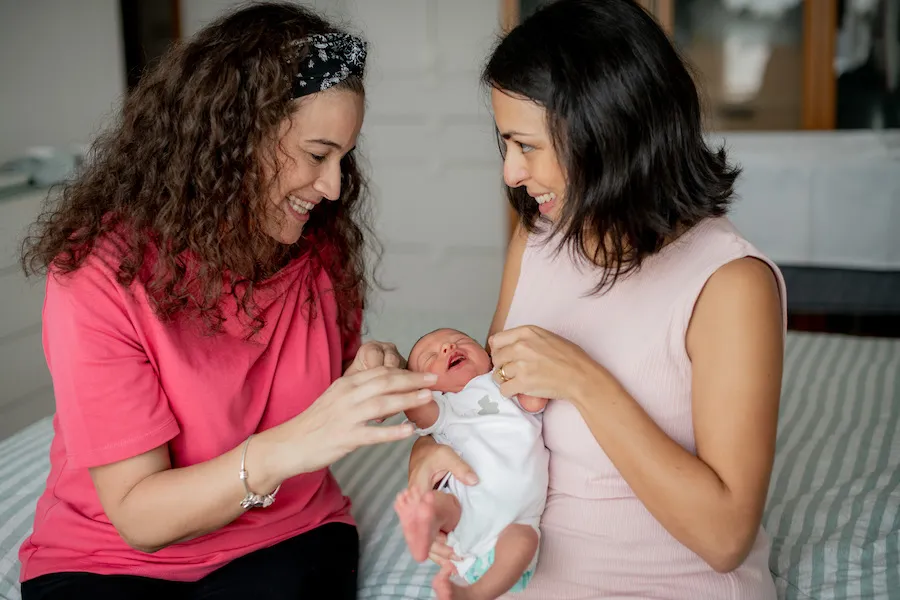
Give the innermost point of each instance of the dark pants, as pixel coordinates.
(319, 564)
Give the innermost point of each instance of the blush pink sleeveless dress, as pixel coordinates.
(597, 538)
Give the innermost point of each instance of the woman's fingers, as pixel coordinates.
(382, 407)
(371, 356)
(435, 462)
(501, 339)
(377, 354)
(388, 380)
(374, 373)
(395, 391)
(510, 377)
(514, 387)
(423, 477)
(508, 354)
(392, 357)
(459, 468)
(381, 434)
(504, 371)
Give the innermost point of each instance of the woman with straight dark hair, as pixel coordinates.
(632, 303)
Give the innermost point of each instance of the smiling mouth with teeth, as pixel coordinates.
(543, 198)
(456, 359)
(301, 206)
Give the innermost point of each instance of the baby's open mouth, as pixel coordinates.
(456, 359)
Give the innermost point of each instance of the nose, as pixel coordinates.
(447, 347)
(329, 182)
(514, 171)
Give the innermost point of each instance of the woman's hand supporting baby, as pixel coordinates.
(539, 363)
(429, 463)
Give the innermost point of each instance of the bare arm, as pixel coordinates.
(511, 269)
(429, 462)
(424, 416)
(712, 502)
(152, 505)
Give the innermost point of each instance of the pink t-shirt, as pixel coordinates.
(126, 383)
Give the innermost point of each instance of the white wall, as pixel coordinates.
(436, 171)
(197, 13)
(26, 392)
(62, 72)
(822, 198)
(62, 75)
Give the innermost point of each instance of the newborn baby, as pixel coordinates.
(492, 527)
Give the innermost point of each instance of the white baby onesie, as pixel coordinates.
(503, 444)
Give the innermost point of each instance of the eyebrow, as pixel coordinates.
(325, 142)
(419, 362)
(508, 134)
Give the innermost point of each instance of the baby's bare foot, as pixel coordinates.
(418, 519)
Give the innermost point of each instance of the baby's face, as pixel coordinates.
(451, 355)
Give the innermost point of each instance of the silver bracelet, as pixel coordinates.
(252, 499)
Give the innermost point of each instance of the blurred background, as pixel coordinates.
(803, 92)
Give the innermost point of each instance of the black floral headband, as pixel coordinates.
(332, 58)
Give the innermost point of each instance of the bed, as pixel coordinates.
(834, 505)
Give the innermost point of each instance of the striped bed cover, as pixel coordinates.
(834, 504)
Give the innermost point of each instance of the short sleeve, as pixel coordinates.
(109, 401)
(438, 426)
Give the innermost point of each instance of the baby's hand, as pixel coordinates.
(445, 590)
(441, 553)
(532, 404)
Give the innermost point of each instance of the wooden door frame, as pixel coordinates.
(177, 30)
(819, 81)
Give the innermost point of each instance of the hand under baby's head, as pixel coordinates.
(451, 355)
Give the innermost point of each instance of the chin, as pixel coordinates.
(288, 238)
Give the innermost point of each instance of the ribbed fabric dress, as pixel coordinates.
(598, 540)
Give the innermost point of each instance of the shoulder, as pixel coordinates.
(712, 264)
(743, 282)
(741, 299)
(95, 286)
(747, 273)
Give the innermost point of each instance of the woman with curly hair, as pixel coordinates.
(206, 280)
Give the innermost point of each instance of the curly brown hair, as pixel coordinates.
(182, 173)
